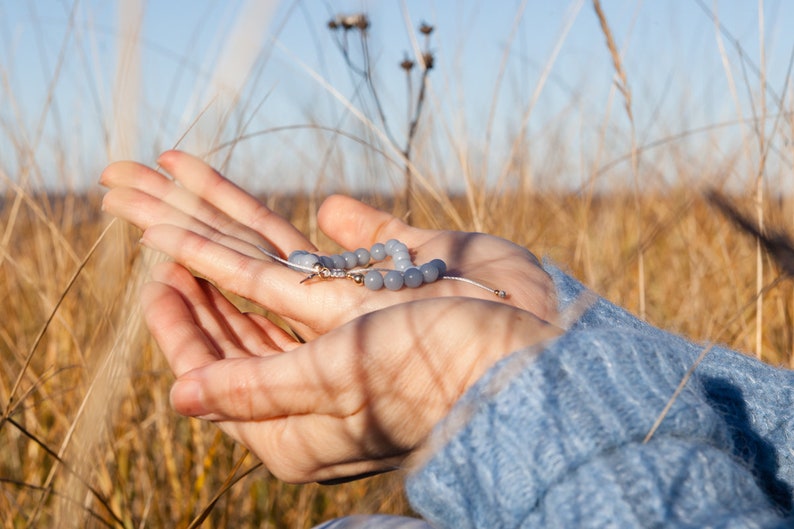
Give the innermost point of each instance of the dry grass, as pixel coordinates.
(89, 438)
(149, 467)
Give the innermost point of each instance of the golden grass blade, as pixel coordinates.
(231, 479)
(625, 90)
(47, 490)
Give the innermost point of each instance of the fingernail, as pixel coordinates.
(146, 242)
(187, 398)
(163, 158)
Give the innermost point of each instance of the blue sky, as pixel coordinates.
(182, 55)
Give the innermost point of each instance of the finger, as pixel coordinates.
(352, 224)
(152, 191)
(211, 186)
(144, 197)
(174, 329)
(256, 389)
(137, 176)
(233, 334)
(311, 308)
(254, 333)
(282, 340)
(319, 305)
(144, 210)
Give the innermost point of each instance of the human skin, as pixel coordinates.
(204, 221)
(373, 371)
(357, 399)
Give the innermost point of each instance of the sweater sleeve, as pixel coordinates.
(580, 308)
(554, 437)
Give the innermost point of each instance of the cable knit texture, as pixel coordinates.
(553, 436)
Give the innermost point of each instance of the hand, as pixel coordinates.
(355, 400)
(208, 224)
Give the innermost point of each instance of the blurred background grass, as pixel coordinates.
(600, 170)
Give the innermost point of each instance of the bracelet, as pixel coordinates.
(356, 267)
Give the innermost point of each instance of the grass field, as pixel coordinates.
(86, 439)
(89, 439)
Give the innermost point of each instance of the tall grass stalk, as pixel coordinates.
(622, 84)
(759, 186)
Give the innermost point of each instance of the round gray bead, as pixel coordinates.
(390, 245)
(295, 255)
(378, 251)
(373, 280)
(308, 260)
(413, 277)
(429, 272)
(393, 280)
(441, 265)
(396, 247)
(363, 256)
(403, 264)
(351, 260)
(401, 255)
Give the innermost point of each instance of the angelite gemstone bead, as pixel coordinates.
(363, 256)
(401, 255)
(441, 265)
(308, 260)
(402, 265)
(412, 278)
(429, 272)
(351, 260)
(393, 246)
(373, 280)
(393, 280)
(339, 261)
(378, 251)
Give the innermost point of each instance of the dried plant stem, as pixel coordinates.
(623, 86)
(414, 108)
(759, 189)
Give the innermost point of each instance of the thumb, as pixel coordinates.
(352, 223)
(302, 381)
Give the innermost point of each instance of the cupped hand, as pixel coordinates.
(213, 227)
(356, 400)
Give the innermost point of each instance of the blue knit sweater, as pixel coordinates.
(553, 436)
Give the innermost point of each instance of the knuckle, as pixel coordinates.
(240, 394)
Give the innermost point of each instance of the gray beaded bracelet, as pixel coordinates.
(356, 266)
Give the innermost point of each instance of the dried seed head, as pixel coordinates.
(346, 22)
(361, 21)
(426, 29)
(407, 64)
(428, 59)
